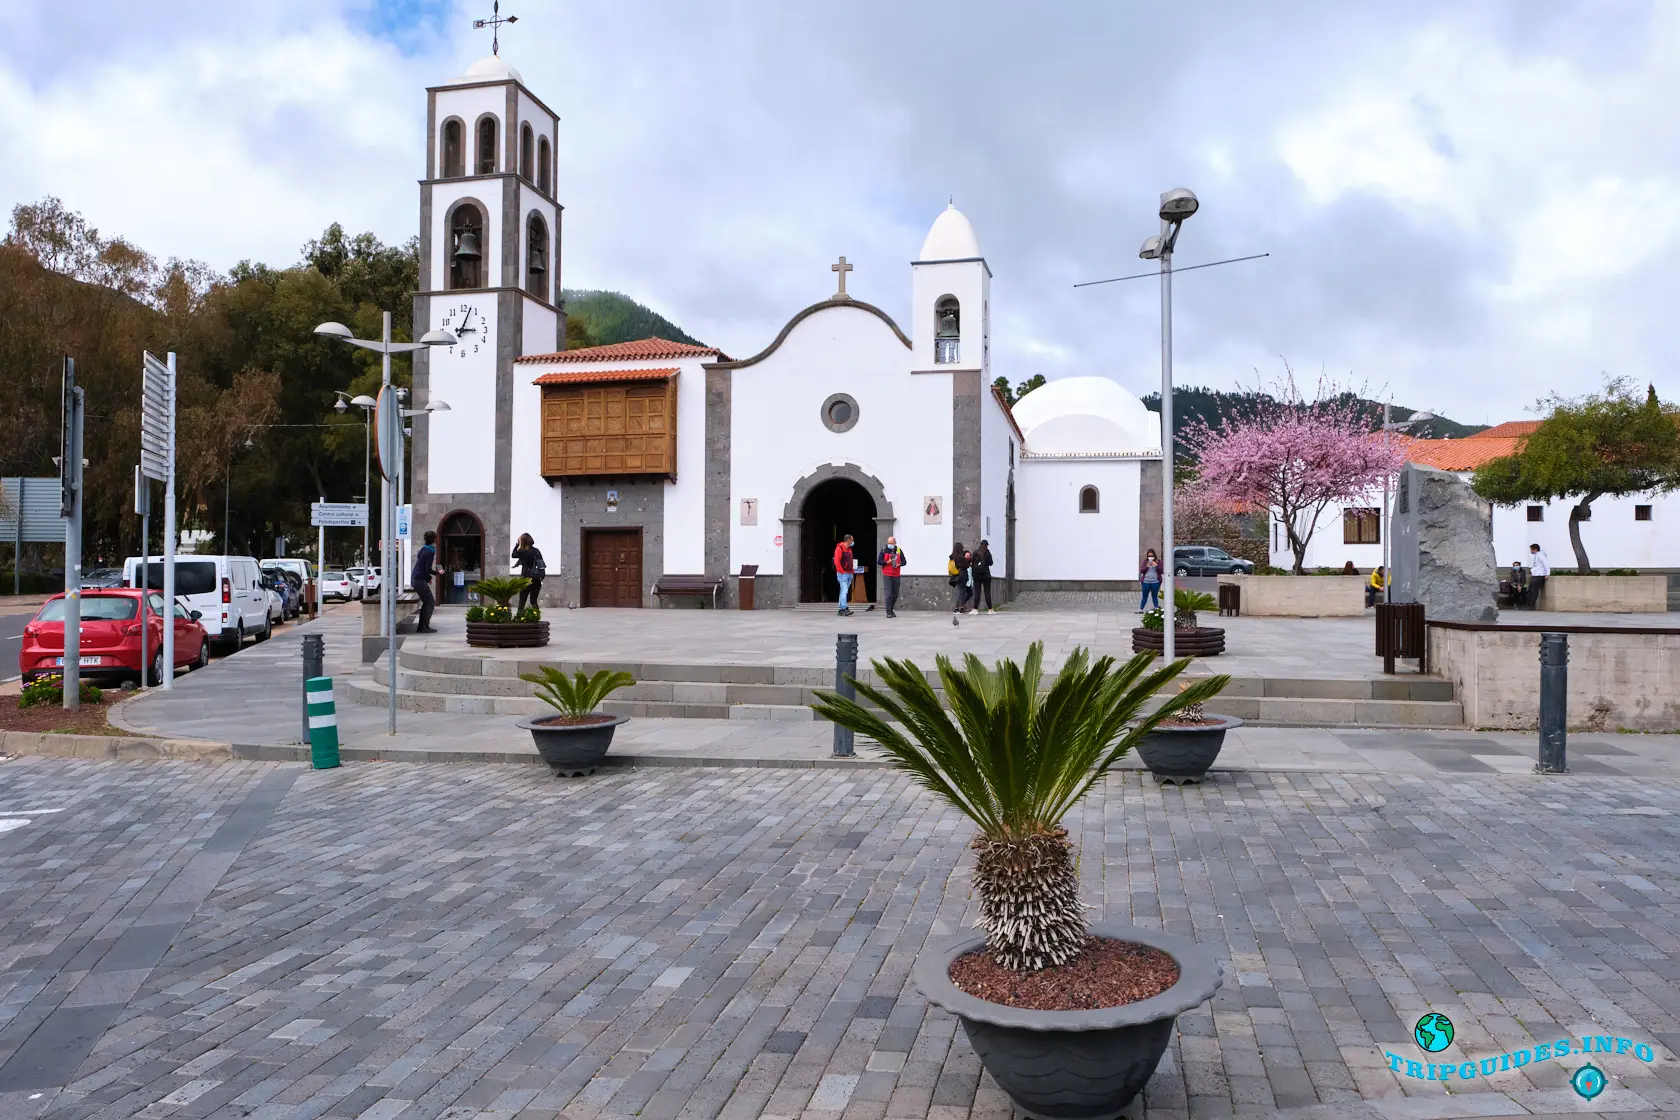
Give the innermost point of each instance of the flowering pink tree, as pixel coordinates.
(1295, 457)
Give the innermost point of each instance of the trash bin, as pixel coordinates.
(746, 580)
(1401, 632)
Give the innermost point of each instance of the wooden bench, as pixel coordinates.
(699, 587)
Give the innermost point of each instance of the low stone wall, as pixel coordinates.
(1301, 596)
(1619, 678)
(1606, 594)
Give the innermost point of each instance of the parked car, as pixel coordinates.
(102, 577)
(110, 634)
(337, 585)
(280, 594)
(227, 592)
(303, 572)
(357, 576)
(290, 587)
(1206, 560)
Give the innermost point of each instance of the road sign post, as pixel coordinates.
(157, 461)
(324, 514)
(70, 483)
(143, 506)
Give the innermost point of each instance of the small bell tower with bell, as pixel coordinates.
(490, 275)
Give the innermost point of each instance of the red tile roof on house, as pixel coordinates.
(1508, 429)
(1462, 454)
(642, 350)
(1008, 413)
(588, 376)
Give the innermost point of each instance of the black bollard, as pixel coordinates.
(314, 665)
(1554, 704)
(845, 668)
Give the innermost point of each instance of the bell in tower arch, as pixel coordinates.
(467, 247)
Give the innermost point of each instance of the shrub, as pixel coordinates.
(1152, 619)
(529, 614)
(1622, 572)
(1016, 761)
(1269, 570)
(577, 696)
(475, 613)
(49, 690)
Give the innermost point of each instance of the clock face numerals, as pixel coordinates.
(467, 322)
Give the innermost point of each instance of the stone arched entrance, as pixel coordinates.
(826, 503)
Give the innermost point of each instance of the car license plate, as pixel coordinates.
(81, 661)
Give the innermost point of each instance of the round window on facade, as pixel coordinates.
(839, 412)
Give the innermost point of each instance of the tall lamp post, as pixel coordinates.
(365, 403)
(1388, 430)
(1176, 206)
(389, 452)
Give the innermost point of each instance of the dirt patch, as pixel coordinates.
(1108, 973)
(89, 719)
(1211, 721)
(570, 721)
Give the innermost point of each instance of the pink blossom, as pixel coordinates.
(1294, 457)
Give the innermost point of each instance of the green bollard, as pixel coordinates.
(323, 723)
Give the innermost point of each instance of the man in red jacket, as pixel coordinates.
(892, 567)
(844, 569)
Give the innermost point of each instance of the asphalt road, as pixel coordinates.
(11, 637)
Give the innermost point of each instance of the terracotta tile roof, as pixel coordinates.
(1508, 429)
(587, 376)
(1008, 413)
(642, 350)
(1461, 454)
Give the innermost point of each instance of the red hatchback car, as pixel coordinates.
(111, 637)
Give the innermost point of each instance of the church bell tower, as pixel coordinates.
(490, 275)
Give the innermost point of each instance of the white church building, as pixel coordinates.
(639, 460)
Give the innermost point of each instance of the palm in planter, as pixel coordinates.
(574, 741)
(1192, 638)
(495, 625)
(1016, 761)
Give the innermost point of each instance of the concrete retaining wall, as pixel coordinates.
(1620, 680)
(1301, 596)
(1609, 594)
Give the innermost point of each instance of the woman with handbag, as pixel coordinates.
(957, 568)
(531, 566)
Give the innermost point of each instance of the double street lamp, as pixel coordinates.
(1177, 205)
(390, 452)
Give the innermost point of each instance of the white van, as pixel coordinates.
(227, 592)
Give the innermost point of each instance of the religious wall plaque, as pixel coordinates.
(749, 511)
(933, 510)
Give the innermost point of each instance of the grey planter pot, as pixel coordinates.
(1183, 754)
(573, 750)
(1073, 1065)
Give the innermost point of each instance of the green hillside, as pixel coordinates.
(1191, 403)
(603, 318)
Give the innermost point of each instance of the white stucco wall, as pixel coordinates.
(461, 444)
(1613, 538)
(902, 436)
(535, 505)
(530, 200)
(685, 498)
(996, 436)
(1053, 540)
(967, 281)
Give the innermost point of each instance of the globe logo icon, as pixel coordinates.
(1588, 1081)
(1434, 1032)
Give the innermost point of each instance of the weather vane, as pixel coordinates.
(494, 23)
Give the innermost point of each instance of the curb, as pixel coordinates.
(122, 747)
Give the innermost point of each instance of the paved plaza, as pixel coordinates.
(260, 940)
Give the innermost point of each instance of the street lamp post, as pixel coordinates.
(1176, 206)
(393, 424)
(365, 403)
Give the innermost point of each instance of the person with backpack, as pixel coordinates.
(891, 561)
(531, 566)
(845, 569)
(980, 571)
(957, 568)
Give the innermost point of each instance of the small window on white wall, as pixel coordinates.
(1089, 502)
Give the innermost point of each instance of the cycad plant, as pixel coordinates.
(501, 590)
(1015, 761)
(578, 696)
(1186, 603)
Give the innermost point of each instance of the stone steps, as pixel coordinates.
(435, 683)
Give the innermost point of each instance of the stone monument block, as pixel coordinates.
(1442, 551)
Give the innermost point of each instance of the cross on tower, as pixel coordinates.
(842, 268)
(494, 23)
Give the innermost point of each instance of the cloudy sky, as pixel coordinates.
(1466, 206)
